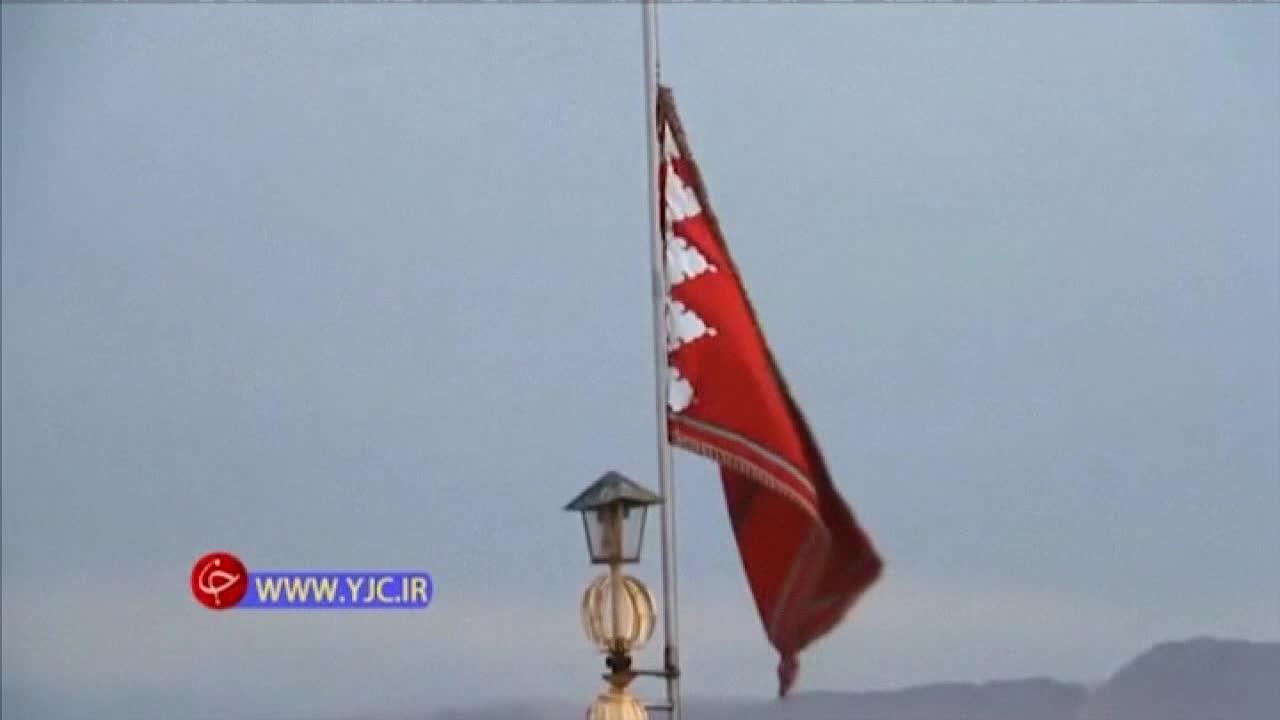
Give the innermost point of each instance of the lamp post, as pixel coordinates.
(617, 609)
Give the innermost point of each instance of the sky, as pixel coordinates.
(368, 287)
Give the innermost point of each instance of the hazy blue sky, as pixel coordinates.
(368, 287)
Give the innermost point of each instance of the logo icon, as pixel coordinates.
(219, 580)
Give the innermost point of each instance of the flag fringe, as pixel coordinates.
(746, 467)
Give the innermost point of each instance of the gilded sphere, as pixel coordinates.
(617, 705)
(634, 617)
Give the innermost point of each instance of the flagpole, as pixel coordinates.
(670, 623)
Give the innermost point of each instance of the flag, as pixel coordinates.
(806, 558)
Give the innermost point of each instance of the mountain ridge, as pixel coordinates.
(1200, 678)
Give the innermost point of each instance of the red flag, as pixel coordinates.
(806, 559)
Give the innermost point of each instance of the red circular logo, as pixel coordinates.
(219, 580)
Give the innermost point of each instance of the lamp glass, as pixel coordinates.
(615, 533)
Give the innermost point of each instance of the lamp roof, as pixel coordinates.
(612, 488)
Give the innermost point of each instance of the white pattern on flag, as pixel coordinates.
(684, 262)
(683, 325)
(679, 391)
(669, 149)
(680, 199)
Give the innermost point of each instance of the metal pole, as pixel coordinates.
(670, 623)
(615, 576)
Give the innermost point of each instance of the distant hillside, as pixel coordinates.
(1202, 679)
(1036, 699)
